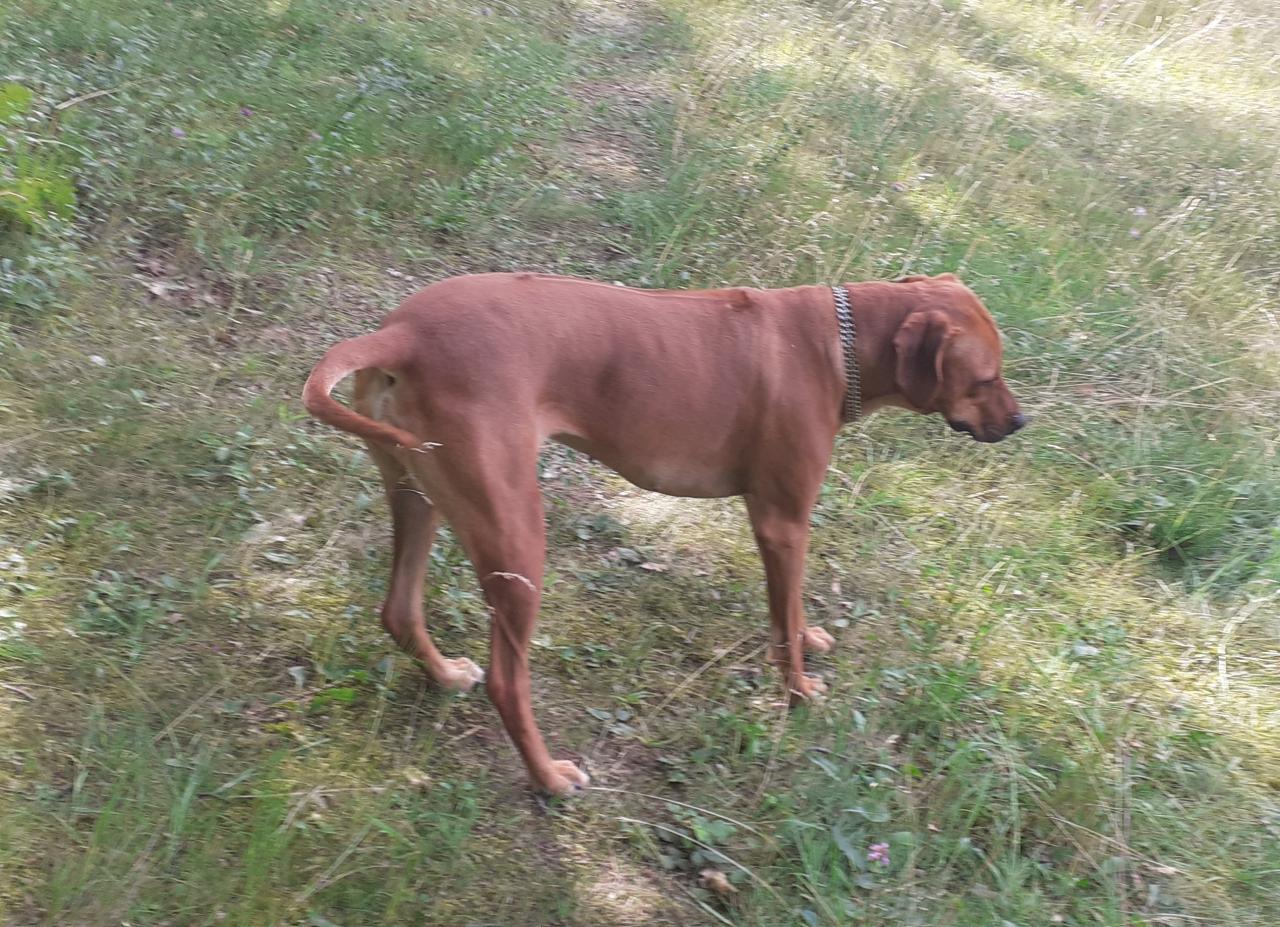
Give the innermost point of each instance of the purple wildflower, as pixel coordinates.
(246, 111)
(878, 853)
(177, 133)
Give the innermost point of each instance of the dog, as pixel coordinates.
(708, 393)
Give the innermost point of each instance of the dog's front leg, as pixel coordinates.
(781, 526)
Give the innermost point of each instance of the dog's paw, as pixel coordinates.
(807, 689)
(459, 675)
(818, 639)
(564, 778)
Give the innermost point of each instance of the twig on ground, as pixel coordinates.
(17, 690)
(505, 575)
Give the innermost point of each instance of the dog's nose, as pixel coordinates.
(1017, 422)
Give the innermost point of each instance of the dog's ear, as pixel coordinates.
(919, 344)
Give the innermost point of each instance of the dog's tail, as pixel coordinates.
(385, 349)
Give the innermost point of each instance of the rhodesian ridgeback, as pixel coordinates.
(691, 393)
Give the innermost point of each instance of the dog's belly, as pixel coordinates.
(690, 477)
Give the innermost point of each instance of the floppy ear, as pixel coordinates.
(919, 344)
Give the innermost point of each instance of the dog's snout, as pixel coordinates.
(1018, 422)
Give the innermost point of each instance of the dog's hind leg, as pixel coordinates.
(414, 520)
(508, 557)
(485, 481)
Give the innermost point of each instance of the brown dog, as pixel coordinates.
(698, 393)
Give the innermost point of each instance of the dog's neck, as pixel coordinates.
(879, 309)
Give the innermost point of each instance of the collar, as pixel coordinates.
(851, 405)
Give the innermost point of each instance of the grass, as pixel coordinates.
(1055, 696)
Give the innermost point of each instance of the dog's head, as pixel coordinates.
(948, 357)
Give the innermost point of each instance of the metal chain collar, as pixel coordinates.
(851, 408)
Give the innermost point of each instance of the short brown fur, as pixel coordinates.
(696, 393)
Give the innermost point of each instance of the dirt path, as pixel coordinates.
(613, 150)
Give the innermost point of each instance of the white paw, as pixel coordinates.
(459, 675)
(565, 778)
(807, 689)
(818, 639)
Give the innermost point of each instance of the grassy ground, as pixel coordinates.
(1057, 692)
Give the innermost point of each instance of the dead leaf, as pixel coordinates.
(716, 880)
(277, 334)
(162, 289)
(655, 567)
(416, 778)
(154, 266)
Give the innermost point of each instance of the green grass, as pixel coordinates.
(1056, 694)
